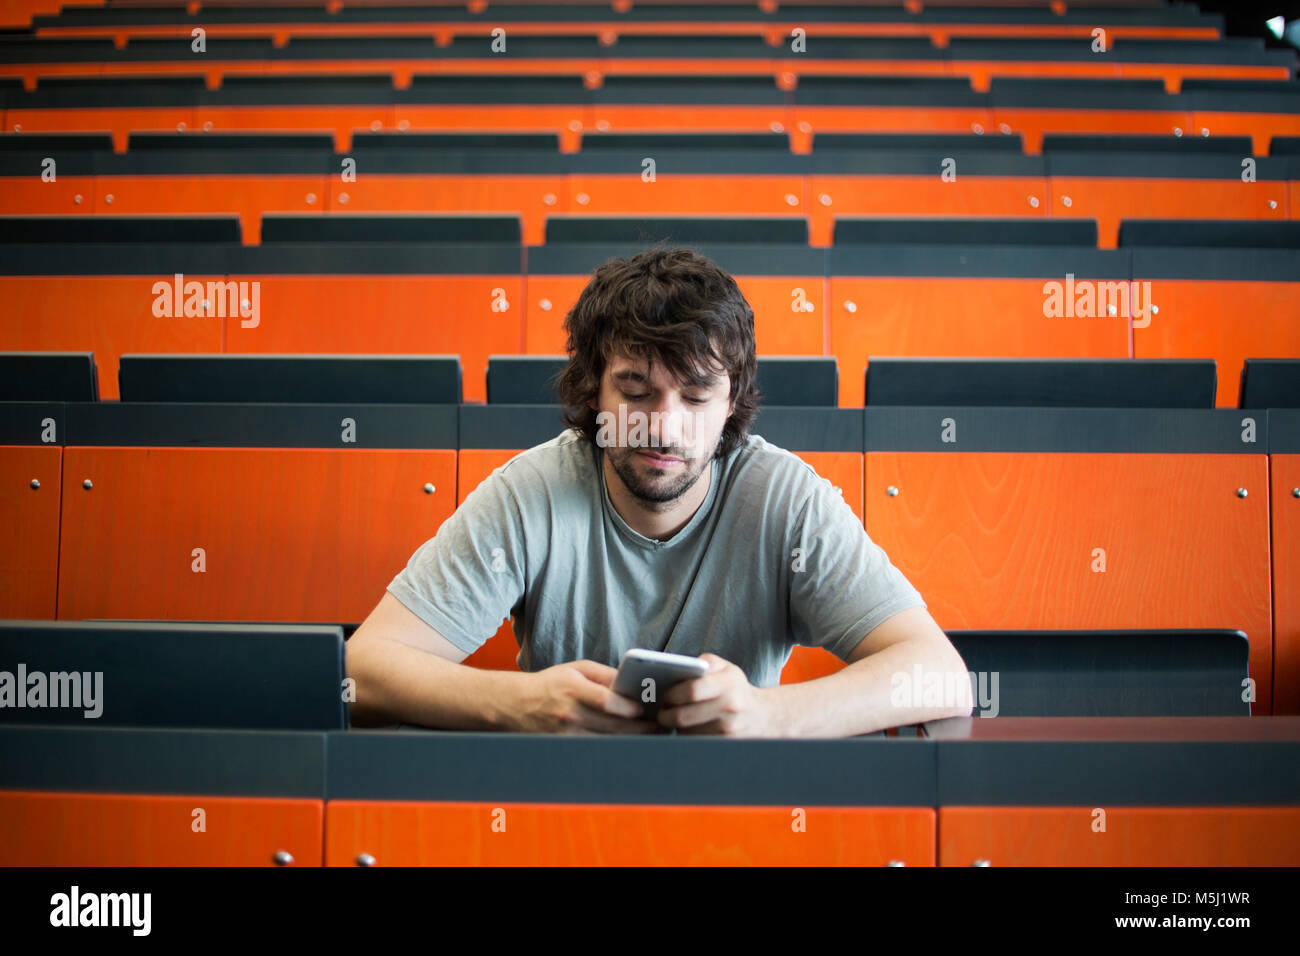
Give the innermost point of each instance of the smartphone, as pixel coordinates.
(639, 665)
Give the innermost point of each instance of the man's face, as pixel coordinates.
(660, 434)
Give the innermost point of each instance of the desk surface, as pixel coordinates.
(1173, 729)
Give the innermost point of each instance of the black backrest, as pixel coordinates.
(254, 676)
(1137, 673)
(1270, 383)
(48, 376)
(330, 379)
(1069, 383)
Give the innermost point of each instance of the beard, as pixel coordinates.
(654, 487)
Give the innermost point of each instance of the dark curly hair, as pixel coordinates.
(668, 305)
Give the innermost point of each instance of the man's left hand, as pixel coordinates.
(722, 701)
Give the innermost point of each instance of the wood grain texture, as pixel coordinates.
(296, 535)
(106, 829)
(29, 559)
(1134, 836)
(461, 834)
(1008, 540)
(1286, 583)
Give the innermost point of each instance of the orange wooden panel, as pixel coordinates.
(639, 118)
(996, 540)
(886, 119)
(341, 120)
(1108, 200)
(461, 834)
(992, 318)
(1226, 321)
(1134, 836)
(532, 198)
(246, 196)
(29, 560)
(1286, 583)
(1260, 127)
(789, 312)
(832, 196)
(302, 534)
(19, 13)
(467, 315)
(32, 196)
(670, 193)
(108, 829)
(107, 315)
(120, 121)
(1031, 124)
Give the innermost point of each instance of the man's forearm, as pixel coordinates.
(860, 698)
(398, 683)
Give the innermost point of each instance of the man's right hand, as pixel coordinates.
(579, 698)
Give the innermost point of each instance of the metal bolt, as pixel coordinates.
(18, 127)
(36, 483)
(891, 491)
(546, 305)
(1067, 201)
(245, 304)
(88, 484)
(109, 199)
(180, 127)
(1004, 129)
(1204, 131)
(1295, 492)
(1155, 310)
(365, 859)
(850, 306)
(1111, 310)
(343, 199)
(376, 125)
(282, 858)
(602, 125)
(77, 199)
(977, 129)
(549, 199)
(311, 199)
(1242, 492)
(824, 199)
(895, 863)
(791, 199)
(403, 125)
(207, 127)
(981, 863)
(805, 126)
(1033, 201)
(428, 488)
(1272, 204)
(1178, 131)
(776, 127)
(575, 125)
(583, 199)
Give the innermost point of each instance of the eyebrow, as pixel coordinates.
(631, 376)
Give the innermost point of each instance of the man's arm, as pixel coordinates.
(405, 671)
(856, 700)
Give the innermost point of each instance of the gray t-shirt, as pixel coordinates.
(773, 557)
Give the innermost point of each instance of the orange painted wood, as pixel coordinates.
(1285, 471)
(32, 196)
(106, 315)
(120, 121)
(1031, 124)
(1108, 200)
(532, 198)
(1007, 541)
(993, 318)
(637, 117)
(1226, 321)
(1134, 836)
(789, 312)
(19, 13)
(891, 119)
(1260, 127)
(107, 829)
(245, 196)
(293, 535)
(671, 194)
(29, 560)
(461, 834)
(398, 314)
(833, 196)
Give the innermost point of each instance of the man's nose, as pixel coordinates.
(667, 425)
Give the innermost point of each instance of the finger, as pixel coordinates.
(712, 727)
(603, 723)
(693, 690)
(691, 715)
(602, 674)
(601, 698)
(716, 663)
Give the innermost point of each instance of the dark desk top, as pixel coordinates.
(1172, 729)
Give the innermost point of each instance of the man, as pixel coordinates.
(655, 521)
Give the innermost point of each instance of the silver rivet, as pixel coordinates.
(1295, 492)
(428, 488)
(311, 199)
(109, 199)
(1033, 201)
(1204, 131)
(245, 304)
(376, 125)
(891, 491)
(77, 199)
(1272, 204)
(1242, 492)
(180, 127)
(343, 199)
(545, 305)
(805, 126)
(850, 306)
(1178, 131)
(1111, 310)
(365, 859)
(282, 858)
(549, 199)
(824, 199)
(575, 125)
(207, 127)
(18, 127)
(36, 483)
(602, 125)
(1004, 129)
(791, 199)
(583, 199)
(207, 306)
(1155, 310)
(776, 127)
(981, 863)
(1067, 201)
(403, 125)
(895, 863)
(977, 129)
(88, 484)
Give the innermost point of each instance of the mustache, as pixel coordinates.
(667, 451)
